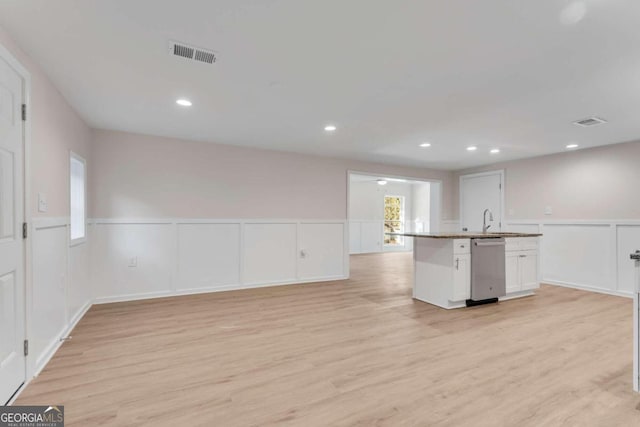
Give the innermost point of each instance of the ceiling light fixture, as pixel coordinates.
(425, 145)
(570, 146)
(330, 128)
(184, 102)
(472, 148)
(381, 182)
(495, 151)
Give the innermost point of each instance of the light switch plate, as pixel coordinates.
(548, 210)
(42, 202)
(133, 261)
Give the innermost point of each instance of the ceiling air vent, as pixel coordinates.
(183, 50)
(588, 122)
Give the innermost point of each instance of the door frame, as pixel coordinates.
(501, 173)
(433, 219)
(14, 63)
(407, 177)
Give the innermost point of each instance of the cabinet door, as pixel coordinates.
(461, 277)
(512, 275)
(529, 270)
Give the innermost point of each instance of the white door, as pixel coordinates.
(636, 323)
(477, 193)
(12, 316)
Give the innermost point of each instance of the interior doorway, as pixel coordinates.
(379, 204)
(478, 192)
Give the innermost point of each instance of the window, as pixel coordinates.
(77, 197)
(393, 220)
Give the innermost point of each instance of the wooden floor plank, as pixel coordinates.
(353, 352)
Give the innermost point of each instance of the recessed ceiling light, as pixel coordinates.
(570, 146)
(330, 128)
(495, 151)
(381, 182)
(472, 148)
(425, 145)
(184, 102)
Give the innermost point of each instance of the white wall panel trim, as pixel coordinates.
(50, 222)
(56, 343)
(211, 221)
(587, 288)
(575, 221)
(212, 255)
(607, 259)
(183, 292)
(53, 276)
(97, 221)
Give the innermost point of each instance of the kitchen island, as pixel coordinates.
(446, 273)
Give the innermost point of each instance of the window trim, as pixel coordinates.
(83, 239)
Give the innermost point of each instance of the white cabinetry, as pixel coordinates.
(521, 263)
(461, 289)
(443, 269)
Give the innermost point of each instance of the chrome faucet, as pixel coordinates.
(485, 227)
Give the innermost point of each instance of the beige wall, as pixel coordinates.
(137, 176)
(596, 183)
(55, 129)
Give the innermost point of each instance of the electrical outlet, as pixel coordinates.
(512, 212)
(548, 210)
(133, 261)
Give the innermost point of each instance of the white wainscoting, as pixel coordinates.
(323, 253)
(367, 236)
(201, 264)
(133, 259)
(591, 255)
(60, 288)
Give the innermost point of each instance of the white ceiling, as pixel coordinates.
(390, 74)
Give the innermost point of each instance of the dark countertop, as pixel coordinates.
(465, 235)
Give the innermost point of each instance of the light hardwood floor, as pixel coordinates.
(355, 352)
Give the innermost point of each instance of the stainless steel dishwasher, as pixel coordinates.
(487, 270)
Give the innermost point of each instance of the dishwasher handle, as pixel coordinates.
(489, 243)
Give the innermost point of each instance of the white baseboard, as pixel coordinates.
(587, 288)
(53, 347)
(515, 295)
(196, 291)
